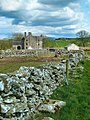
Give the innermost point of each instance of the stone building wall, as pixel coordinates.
(32, 42)
(29, 42)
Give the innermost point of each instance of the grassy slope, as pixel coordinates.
(76, 96)
(57, 43)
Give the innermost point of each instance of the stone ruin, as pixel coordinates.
(23, 92)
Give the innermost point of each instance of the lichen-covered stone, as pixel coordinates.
(51, 106)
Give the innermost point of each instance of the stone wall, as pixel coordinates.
(16, 53)
(64, 52)
(22, 91)
(58, 52)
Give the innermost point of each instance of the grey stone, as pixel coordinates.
(51, 106)
(1, 86)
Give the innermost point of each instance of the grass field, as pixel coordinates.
(76, 96)
(12, 64)
(57, 43)
(11, 67)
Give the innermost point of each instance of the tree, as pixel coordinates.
(83, 37)
(17, 36)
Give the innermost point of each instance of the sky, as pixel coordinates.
(52, 18)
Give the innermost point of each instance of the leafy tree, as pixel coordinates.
(84, 37)
(17, 36)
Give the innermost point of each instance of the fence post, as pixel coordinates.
(67, 71)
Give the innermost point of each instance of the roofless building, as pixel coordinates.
(29, 42)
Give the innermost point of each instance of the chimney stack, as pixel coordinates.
(25, 40)
(24, 34)
(29, 33)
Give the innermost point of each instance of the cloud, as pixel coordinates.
(12, 5)
(5, 27)
(57, 18)
(60, 3)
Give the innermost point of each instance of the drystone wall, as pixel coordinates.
(22, 91)
(63, 52)
(21, 53)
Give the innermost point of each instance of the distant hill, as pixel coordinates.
(52, 38)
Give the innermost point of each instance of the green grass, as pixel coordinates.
(76, 96)
(57, 43)
(87, 53)
(11, 67)
(47, 55)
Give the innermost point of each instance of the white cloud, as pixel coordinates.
(10, 5)
(5, 23)
(5, 27)
(53, 19)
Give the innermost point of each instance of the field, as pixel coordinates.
(76, 94)
(57, 43)
(14, 63)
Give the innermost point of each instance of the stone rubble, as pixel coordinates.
(51, 106)
(23, 91)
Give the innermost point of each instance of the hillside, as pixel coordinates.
(57, 43)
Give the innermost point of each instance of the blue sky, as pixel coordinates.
(53, 18)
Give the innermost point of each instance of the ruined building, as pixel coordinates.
(29, 42)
